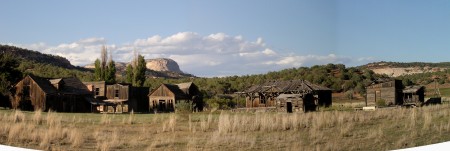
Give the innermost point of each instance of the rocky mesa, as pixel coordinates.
(158, 64)
(163, 64)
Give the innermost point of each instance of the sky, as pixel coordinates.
(232, 37)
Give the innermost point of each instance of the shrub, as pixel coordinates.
(183, 106)
(381, 102)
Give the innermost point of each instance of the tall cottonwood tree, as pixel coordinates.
(135, 72)
(105, 68)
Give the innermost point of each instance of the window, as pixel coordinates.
(97, 91)
(116, 94)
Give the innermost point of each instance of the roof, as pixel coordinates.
(412, 89)
(175, 89)
(286, 86)
(73, 85)
(43, 84)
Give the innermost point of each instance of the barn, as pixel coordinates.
(166, 96)
(62, 95)
(268, 94)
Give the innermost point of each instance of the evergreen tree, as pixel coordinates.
(9, 74)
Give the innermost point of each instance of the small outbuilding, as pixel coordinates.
(413, 95)
(166, 96)
(384, 93)
(296, 103)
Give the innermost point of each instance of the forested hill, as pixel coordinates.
(44, 65)
(35, 56)
(335, 76)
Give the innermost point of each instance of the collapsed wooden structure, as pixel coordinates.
(166, 96)
(118, 97)
(293, 95)
(62, 95)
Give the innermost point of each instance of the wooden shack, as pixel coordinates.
(413, 95)
(166, 96)
(265, 95)
(62, 95)
(296, 103)
(384, 93)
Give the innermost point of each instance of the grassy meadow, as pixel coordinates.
(384, 129)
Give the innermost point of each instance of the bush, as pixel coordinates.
(183, 106)
(381, 102)
(221, 103)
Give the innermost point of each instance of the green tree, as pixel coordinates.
(105, 71)
(9, 75)
(138, 68)
(98, 70)
(129, 74)
(110, 75)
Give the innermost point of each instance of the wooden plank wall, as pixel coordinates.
(123, 91)
(28, 89)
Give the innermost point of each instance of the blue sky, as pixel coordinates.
(233, 37)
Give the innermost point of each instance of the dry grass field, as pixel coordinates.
(384, 129)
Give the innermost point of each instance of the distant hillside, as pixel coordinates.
(45, 65)
(35, 56)
(396, 69)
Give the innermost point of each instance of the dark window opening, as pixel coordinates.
(116, 94)
(97, 91)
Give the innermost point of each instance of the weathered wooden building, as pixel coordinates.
(166, 96)
(266, 95)
(118, 97)
(385, 92)
(62, 95)
(392, 92)
(296, 103)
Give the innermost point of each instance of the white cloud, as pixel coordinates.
(212, 55)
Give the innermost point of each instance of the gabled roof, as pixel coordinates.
(44, 84)
(73, 85)
(175, 89)
(70, 85)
